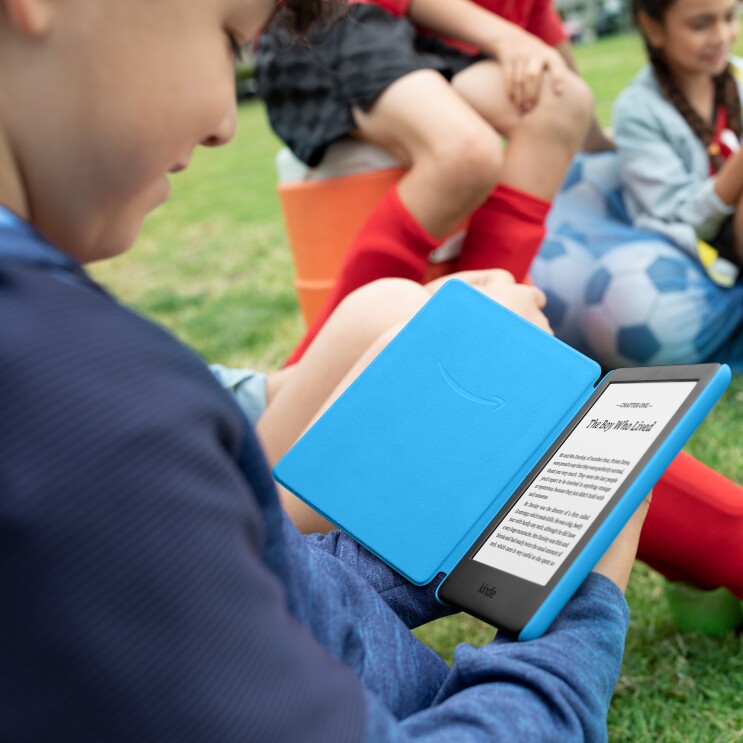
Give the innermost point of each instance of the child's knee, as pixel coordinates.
(469, 163)
(395, 292)
(382, 303)
(579, 101)
(565, 117)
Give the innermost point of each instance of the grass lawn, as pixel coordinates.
(214, 266)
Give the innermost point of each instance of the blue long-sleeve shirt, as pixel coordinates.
(152, 588)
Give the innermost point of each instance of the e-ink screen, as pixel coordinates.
(567, 495)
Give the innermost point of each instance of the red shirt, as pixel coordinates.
(724, 142)
(538, 17)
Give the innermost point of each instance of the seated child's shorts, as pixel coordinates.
(247, 386)
(311, 85)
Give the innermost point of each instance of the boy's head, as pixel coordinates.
(101, 99)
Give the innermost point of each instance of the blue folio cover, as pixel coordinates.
(422, 450)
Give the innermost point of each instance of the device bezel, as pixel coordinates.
(514, 600)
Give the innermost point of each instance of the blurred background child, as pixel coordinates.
(440, 84)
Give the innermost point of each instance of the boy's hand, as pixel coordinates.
(523, 299)
(616, 564)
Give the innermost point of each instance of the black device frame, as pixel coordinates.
(508, 602)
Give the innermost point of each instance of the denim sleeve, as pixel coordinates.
(555, 688)
(247, 386)
(414, 605)
(654, 175)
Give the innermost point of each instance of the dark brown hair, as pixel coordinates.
(299, 15)
(726, 88)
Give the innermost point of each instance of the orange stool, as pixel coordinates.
(325, 207)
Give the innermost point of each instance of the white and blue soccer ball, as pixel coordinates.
(581, 227)
(646, 304)
(615, 293)
(562, 270)
(592, 189)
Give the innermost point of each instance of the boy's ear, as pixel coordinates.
(29, 17)
(651, 29)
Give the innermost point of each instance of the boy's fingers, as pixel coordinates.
(498, 276)
(539, 296)
(491, 275)
(616, 564)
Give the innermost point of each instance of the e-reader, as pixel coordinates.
(560, 520)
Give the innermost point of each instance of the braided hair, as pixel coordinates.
(726, 88)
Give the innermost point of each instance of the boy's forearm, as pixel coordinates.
(556, 688)
(414, 605)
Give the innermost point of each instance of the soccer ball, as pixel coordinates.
(561, 270)
(619, 294)
(582, 226)
(591, 190)
(646, 304)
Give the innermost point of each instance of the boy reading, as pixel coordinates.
(152, 587)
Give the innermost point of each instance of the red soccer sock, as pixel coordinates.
(694, 528)
(505, 232)
(391, 243)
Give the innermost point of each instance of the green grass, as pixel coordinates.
(607, 66)
(214, 266)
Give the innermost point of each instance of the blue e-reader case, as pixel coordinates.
(420, 452)
(427, 445)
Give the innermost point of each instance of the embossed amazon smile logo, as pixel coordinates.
(494, 402)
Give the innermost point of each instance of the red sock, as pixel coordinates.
(391, 243)
(505, 232)
(694, 528)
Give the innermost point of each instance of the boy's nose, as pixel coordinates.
(225, 130)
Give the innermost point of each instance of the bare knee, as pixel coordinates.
(381, 304)
(468, 163)
(563, 118)
(578, 100)
(392, 291)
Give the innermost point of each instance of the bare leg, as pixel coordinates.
(542, 142)
(454, 158)
(296, 394)
(453, 153)
(305, 519)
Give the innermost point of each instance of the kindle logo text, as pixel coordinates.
(486, 590)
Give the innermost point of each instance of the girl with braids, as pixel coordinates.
(677, 128)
